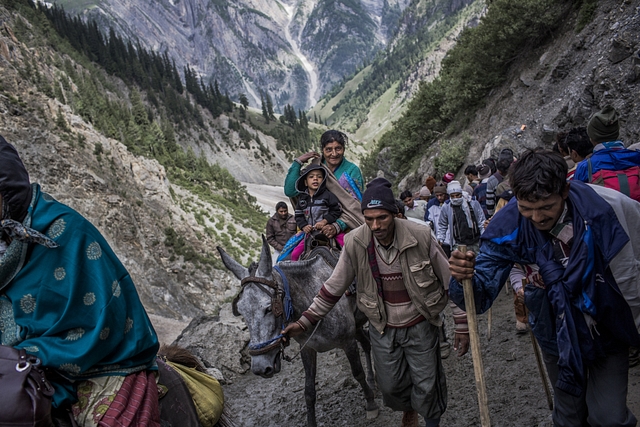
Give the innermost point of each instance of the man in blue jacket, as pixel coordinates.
(580, 245)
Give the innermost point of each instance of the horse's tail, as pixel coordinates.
(176, 354)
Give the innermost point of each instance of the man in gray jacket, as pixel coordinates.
(401, 273)
(461, 220)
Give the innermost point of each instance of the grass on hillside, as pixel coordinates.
(324, 108)
(381, 116)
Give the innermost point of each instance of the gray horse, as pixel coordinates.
(260, 302)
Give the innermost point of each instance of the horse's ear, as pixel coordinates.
(264, 264)
(234, 266)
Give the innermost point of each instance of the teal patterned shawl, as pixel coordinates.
(73, 306)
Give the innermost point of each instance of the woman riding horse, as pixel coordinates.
(332, 143)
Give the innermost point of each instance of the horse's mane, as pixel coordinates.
(176, 354)
(322, 252)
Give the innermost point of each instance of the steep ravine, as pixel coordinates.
(294, 42)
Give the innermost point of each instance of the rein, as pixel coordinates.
(281, 305)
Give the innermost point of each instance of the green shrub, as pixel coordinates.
(477, 63)
(586, 13)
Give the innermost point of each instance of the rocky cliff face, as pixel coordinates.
(293, 49)
(559, 86)
(127, 197)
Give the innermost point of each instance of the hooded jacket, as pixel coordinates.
(584, 311)
(15, 187)
(609, 156)
(322, 205)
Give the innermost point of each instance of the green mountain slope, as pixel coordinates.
(143, 160)
(367, 103)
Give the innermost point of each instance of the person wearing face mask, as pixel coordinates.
(463, 217)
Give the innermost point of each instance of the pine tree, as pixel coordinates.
(138, 110)
(270, 107)
(61, 122)
(244, 101)
(265, 113)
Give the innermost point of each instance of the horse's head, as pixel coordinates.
(260, 304)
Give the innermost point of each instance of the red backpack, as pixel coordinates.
(626, 181)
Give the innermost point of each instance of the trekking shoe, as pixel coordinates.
(634, 356)
(521, 328)
(445, 349)
(409, 419)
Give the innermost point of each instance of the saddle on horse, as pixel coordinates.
(315, 240)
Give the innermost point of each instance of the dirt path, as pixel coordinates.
(267, 196)
(515, 393)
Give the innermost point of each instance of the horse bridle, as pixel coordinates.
(277, 308)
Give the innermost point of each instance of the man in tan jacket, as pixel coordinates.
(401, 272)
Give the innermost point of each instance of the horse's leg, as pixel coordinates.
(310, 363)
(363, 339)
(353, 356)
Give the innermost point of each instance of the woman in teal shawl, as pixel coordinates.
(332, 143)
(64, 295)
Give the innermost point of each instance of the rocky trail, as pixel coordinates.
(514, 389)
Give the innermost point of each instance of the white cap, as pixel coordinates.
(454, 187)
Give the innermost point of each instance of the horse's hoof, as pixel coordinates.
(372, 414)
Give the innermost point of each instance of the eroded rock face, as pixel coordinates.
(560, 86)
(251, 46)
(219, 341)
(127, 197)
(131, 205)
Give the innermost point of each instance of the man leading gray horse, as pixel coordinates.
(401, 272)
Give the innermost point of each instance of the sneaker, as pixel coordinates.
(521, 328)
(445, 349)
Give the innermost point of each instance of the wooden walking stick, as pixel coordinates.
(478, 369)
(542, 370)
(544, 376)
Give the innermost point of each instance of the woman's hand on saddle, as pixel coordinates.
(321, 224)
(461, 343)
(308, 156)
(307, 229)
(462, 265)
(329, 230)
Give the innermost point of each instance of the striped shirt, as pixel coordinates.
(401, 312)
